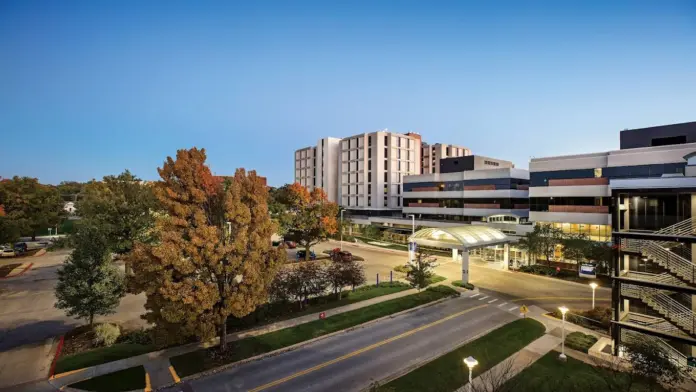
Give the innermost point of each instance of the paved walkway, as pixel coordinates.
(513, 365)
(158, 361)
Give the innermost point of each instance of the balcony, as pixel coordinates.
(490, 206)
(581, 209)
(425, 189)
(423, 204)
(479, 187)
(579, 181)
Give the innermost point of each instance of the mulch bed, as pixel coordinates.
(78, 340)
(6, 269)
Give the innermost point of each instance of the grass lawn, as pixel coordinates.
(101, 355)
(459, 283)
(198, 361)
(436, 279)
(580, 341)
(124, 380)
(448, 372)
(548, 374)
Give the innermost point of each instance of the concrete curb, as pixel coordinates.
(304, 343)
(20, 273)
(415, 366)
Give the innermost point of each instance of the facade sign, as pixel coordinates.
(588, 271)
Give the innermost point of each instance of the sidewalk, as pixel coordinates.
(514, 364)
(158, 361)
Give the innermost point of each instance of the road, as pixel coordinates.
(351, 361)
(547, 293)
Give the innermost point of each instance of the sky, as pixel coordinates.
(91, 88)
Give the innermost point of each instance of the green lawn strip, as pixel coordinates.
(201, 360)
(272, 313)
(448, 373)
(436, 279)
(123, 380)
(101, 355)
(548, 374)
(459, 283)
(580, 341)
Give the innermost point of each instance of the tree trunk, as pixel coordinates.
(223, 335)
(91, 319)
(340, 292)
(306, 255)
(33, 235)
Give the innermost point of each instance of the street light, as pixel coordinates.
(413, 231)
(470, 363)
(563, 357)
(594, 286)
(342, 230)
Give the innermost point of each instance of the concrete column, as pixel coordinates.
(455, 255)
(506, 257)
(465, 266)
(626, 265)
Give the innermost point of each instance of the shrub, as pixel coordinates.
(402, 268)
(106, 334)
(60, 243)
(138, 336)
(580, 341)
(459, 283)
(444, 290)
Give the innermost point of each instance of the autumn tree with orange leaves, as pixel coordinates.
(311, 216)
(213, 256)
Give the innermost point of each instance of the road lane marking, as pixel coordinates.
(482, 298)
(364, 349)
(493, 300)
(563, 298)
(475, 295)
(504, 303)
(148, 386)
(512, 308)
(174, 375)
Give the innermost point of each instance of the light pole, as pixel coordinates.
(413, 231)
(342, 230)
(470, 363)
(562, 357)
(594, 286)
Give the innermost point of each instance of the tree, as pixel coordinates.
(345, 273)
(123, 205)
(278, 206)
(531, 243)
(70, 189)
(576, 247)
(311, 217)
(370, 231)
(212, 257)
(89, 284)
(29, 205)
(421, 270)
(299, 282)
(548, 237)
(602, 254)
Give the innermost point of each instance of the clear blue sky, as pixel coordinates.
(91, 88)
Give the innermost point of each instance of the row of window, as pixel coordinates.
(638, 171)
(491, 163)
(504, 203)
(500, 183)
(594, 232)
(541, 204)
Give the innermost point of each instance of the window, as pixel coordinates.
(398, 165)
(369, 176)
(398, 201)
(385, 176)
(385, 201)
(398, 153)
(369, 153)
(598, 172)
(369, 201)
(369, 141)
(398, 190)
(386, 140)
(369, 165)
(386, 189)
(369, 189)
(386, 152)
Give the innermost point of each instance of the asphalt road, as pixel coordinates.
(351, 361)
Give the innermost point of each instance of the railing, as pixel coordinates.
(656, 323)
(579, 181)
(582, 209)
(674, 355)
(685, 227)
(678, 265)
(667, 306)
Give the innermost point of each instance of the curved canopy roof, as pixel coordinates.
(460, 237)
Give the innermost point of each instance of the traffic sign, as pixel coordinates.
(524, 310)
(322, 315)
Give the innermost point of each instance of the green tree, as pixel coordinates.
(576, 247)
(531, 243)
(70, 189)
(311, 217)
(123, 205)
(89, 284)
(279, 200)
(213, 256)
(420, 271)
(345, 273)
(30, 206)
(602, 254)
(548, 237)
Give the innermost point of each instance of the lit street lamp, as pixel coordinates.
(563, 357)
(342, 230)
(594, 286)
(470, 363)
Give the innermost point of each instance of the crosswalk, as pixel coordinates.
(497, 302)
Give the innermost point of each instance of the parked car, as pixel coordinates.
(301, 255)
(7, 252)
(290, 244)
(341, 255)
(21, 247)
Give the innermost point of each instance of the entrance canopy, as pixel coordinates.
(460, 237)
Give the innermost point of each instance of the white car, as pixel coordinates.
(7, 252)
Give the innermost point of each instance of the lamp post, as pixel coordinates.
(594, 286)
(342, 230)
(413, 231)
(563, 357)
(470, 363)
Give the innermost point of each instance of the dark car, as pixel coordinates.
(20, 247)
(290, 244)
(341, 255)
(301, 255)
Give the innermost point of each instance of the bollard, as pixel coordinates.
(378, 279)
(391, 276)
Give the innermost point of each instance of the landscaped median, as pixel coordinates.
(448, 373)
(264, 315)
(204, 359)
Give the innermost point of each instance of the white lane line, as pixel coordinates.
(512, 308)
(482, 298)
(504, 303)
(475, 295)
(493, 300)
